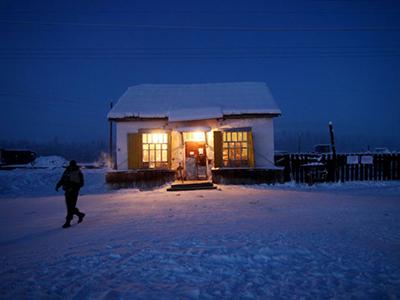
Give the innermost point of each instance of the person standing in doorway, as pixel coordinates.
(71, 181)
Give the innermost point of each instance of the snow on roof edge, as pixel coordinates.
(165, 101)
(275, 113)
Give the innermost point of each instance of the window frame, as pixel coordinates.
(236, 144)
(155, 154)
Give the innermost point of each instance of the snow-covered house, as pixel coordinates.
(195, 130)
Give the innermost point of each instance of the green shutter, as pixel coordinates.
(251, 150)
(217, 149)
(134, 150)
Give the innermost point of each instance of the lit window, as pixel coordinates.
(235, 150)
(155, 150)
(196, 136)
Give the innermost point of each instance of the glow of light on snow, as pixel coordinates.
(284, 239)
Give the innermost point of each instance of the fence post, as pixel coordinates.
(342, 167)
(379, 166)
(397, 167)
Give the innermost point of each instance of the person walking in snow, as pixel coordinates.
(71, 181)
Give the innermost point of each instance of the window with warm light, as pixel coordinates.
(195, 136)
(235, 151)
(155, 150)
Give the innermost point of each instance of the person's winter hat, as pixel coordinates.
(73, 163)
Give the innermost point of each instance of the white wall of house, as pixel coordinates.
(122, 130)
(263, 138)
(262, 128)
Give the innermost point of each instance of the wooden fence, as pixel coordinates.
(311, 168)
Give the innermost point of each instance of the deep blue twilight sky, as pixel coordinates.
(61, 62)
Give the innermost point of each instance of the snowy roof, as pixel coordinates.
(183, 102)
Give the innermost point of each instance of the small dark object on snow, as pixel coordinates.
(71, 181)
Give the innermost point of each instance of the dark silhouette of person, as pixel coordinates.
(71, 181)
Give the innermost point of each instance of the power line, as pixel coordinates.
(205, 28)
(254, 46)
(199, 58)
(177, 56)
(23, 50)
(204, 52)
(210, 12)
(39, 97)
(49, 103)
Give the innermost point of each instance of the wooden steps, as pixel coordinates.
(192, 186)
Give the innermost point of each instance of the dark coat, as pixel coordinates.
(71, 180)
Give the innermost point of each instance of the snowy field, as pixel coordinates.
(282, 242)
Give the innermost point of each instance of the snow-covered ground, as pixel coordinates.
(281, 242)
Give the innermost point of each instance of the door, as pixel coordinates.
(195, 160)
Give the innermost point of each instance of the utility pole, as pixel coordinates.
(110, 149)
(334, 163)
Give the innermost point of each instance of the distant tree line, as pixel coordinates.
(88, 151)
(304, 141)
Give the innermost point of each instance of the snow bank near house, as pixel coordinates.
(50, 162)
(353, 187)
(42, 182)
